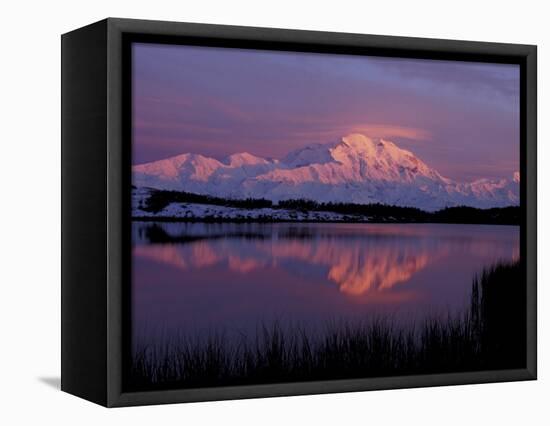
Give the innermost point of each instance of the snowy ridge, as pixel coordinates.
(192, 211)
(355, 169)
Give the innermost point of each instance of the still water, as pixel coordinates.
(192, 278)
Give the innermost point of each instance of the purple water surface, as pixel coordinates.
(233, 277)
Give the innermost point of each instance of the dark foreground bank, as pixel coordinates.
(489, 334)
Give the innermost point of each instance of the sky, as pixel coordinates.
(461, 118)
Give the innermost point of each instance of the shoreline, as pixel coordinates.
(276, 220)
(170, 206)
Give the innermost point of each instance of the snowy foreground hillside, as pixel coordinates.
(356, 169)
(196, 211)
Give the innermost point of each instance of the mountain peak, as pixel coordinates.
(356, 169)
(366, 146)
(357, 143)
(357, 140)
(244, 159)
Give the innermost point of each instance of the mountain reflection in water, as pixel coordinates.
(211, 274)
(356, 266)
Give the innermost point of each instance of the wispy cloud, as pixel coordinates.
(461, 118)
(330, 132)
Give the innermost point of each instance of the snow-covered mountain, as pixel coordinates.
(355, 169)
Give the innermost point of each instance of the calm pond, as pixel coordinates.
(195, 278)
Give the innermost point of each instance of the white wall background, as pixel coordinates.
(30, 211)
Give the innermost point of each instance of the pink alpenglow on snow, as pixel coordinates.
(461, 118)
(354, 169)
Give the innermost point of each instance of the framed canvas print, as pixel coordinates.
(253, 212)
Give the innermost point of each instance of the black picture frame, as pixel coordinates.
(96, 182)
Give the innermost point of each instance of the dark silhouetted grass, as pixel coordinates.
(489, 334)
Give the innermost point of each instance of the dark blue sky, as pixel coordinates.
(461, 118)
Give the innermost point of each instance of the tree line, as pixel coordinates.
(159, 199)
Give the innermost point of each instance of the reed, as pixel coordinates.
(490, 333)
